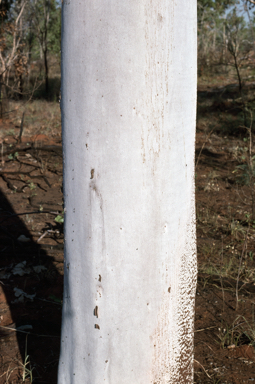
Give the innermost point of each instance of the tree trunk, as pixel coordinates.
(46, 70)
(4, 102)
(128, 113)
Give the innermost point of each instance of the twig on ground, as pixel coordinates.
(28, 333)
(203, 369)
(205, 329)
(42, 236)
(29, 213)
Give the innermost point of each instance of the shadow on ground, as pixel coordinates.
(31, 273)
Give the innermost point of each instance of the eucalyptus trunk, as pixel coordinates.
(128, 113)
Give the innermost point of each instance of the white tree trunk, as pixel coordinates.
(128, 114)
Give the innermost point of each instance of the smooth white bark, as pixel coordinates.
(128, 113)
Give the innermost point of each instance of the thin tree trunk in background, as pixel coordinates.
(46, 69)
(45, 44)
(4, 102)
(128, 113)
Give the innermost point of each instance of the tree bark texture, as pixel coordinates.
(128, 113)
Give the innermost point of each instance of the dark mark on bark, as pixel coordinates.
(96, 311)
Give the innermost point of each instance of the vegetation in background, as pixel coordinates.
(30, 34)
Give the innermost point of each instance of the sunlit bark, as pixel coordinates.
(128, 112)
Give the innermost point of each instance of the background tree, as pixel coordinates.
(30, 30)
(211, 33)
(240, 44)
(10, 42)
(128, 113)
(46, 21)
